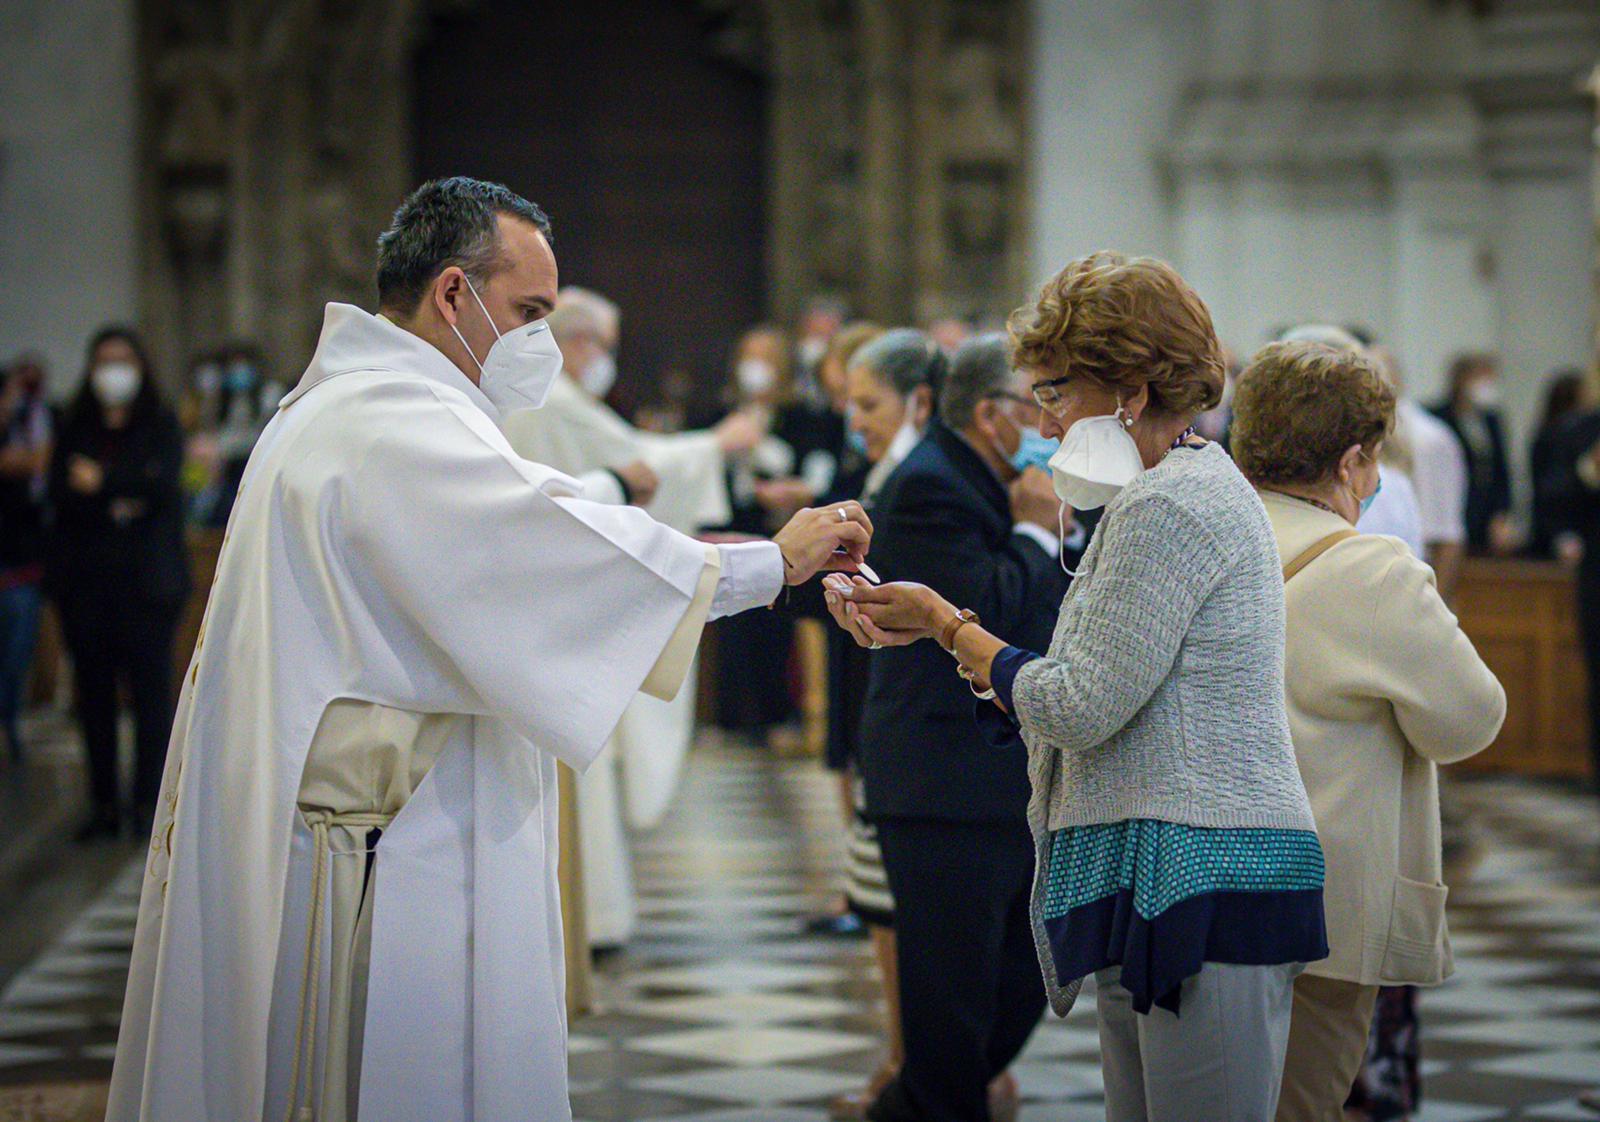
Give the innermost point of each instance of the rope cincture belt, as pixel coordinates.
(305, 1034)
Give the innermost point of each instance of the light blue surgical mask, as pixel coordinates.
(1034, 451)
(856, 441)
(1366, 503)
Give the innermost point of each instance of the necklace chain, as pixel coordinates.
(1318, 503)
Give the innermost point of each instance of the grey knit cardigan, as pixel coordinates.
(1163, 695)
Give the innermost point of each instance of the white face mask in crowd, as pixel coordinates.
(115, 384)
(1096, 460)
(905, 439)
(520, 367)
(755, 375)
(812, 348)
(599, 376)
(1485, 395)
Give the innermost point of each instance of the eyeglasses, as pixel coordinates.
(1045, 394)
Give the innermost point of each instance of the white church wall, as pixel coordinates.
(67, 176)
(1107, 80)
(1402, 165)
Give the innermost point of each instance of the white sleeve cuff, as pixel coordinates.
(601, 486)
(1045, 540)
(752, 577)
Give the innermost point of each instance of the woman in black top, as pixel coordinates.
(1563, 399)
(117, 565)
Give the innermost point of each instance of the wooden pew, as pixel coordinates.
(1523, 617)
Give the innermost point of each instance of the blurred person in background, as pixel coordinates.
(950, 332)
(1438, 476)
(199, 406)
(1214, 424)
(1472, 411)
(846, 667)
(26, 437)
(1563, 400)
(971, 509)
(245, 403)
(1383, 687)
(850, 475)
(799, 455)
(820, 320)
(679, 479)
(117, 566)
(1571, 489)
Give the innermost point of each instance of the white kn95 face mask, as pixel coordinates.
(520, 367)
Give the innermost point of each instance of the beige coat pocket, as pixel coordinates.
(1417, 953)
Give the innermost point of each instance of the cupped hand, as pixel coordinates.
(888, 615)
(834, 537)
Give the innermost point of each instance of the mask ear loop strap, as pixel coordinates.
(486, 316)
(1061, 541)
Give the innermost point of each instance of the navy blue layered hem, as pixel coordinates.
(1158, 955)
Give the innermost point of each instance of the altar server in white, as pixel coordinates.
(351, 907)
(576, 432)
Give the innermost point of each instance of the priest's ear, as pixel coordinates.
(448, 294)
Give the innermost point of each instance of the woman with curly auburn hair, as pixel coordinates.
(1177, 858)
(1383, 687)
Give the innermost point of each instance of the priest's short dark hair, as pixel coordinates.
(442, 223)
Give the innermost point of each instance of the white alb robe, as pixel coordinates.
(633, 781)
(391, 552)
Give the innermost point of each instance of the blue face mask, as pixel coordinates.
(1366, 503)
(855, 441)
(1034, 451)
(241, 377)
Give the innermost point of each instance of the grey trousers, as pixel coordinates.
(1220, 1061)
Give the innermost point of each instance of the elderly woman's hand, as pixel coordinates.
(889, 615)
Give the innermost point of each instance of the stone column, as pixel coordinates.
(1594, 353)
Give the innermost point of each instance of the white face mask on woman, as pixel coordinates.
(115, 384)
(756, 376)
(520, 367)
(1096, 460)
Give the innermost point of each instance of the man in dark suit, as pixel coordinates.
(950, 807)
(1571, 491)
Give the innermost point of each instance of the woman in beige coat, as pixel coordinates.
(1382, 688)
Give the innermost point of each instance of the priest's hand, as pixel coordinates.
(641, 481)
(826, 538)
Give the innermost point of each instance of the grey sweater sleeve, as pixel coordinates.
(1157, 564)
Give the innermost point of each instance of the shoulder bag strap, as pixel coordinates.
(1315, 550)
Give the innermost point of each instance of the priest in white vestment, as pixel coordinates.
(635, 777)
(351, 908)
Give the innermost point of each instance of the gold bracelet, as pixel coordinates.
(967, 675)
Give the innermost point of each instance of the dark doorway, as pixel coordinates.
(647, 150)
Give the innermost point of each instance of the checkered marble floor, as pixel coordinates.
(721, 1011)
